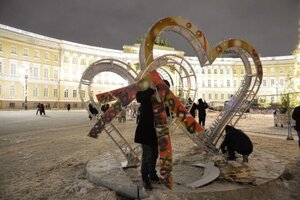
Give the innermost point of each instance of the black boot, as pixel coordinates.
(147, 185)
(154, 178)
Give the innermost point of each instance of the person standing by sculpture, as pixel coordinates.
(202, 105)
(145, 134)
(296, 117)
(193, 107)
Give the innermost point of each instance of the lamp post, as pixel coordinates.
(26, 92)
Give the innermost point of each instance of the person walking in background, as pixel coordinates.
(42, 109)
(38, 108)
(202, 105)
(145, 134)
(68, 107)
(296, 117)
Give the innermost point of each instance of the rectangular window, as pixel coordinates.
(203, 83)
(35, 92)
(209, 83)
(242, 71)
(26, 52)
(215, 71)
(36, 54)
(209, 96)
(221, 71)
(234, 71)
(47, 55)
(74, 93)
(227, 71)
(36, 72)
(216, 96)
(12, 91)
(281, 82)
(66, 93)
(234, 83)
(13, 69)
(228, 83)
(208, 71)
(46, 73)
(264, 83)
(55, 57)
(46, 93)
(203, 71)
(272, 82)
(55, 92)
(13, 50)
(222, 96)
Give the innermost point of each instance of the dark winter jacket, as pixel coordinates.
(145, 132)
(237, 140)
(202, 108)
(193, 109)
(296, 117)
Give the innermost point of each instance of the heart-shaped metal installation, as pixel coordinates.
(206, 55)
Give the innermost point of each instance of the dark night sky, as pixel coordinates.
(271, 26)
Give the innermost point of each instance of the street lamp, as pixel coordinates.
(26, 92)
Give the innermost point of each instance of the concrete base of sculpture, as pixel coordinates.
(189, 175)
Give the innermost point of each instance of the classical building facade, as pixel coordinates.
(37, 69)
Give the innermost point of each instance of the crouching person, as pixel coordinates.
(236, 141)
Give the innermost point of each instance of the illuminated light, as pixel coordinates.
(219, 49)
(199, 33)
(189, 25)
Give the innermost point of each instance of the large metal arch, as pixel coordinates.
(105, 65)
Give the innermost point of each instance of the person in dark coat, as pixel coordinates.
(202, 105)
(42, 109)
(193, 107)
(236, 141)
(296, 117)
(38, 109)
(68, 107)
(145, 134)
(93, 111)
